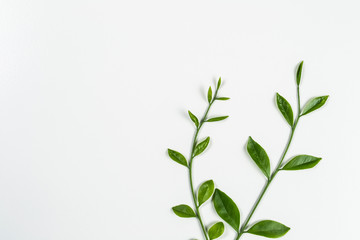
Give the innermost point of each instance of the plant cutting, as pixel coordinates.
(206, 189)
(224, 206)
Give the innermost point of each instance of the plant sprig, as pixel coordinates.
(206, 189)
(270, 228)
(224, 206)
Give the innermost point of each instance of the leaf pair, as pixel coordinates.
(196, 120)
(179, 158)
(210, 94)
(260, 157)
(286, 110)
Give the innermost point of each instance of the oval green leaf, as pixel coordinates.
(216, 119)
(205, 191)
(285, 109)
(194, 119)
(260, 157)
(268, 228)
(209, 95)
(177, 157)
(301, 162)
(184, 211)
(314, 104)
(201, 146)
(299, 72)
(226, 209)
(216, 230)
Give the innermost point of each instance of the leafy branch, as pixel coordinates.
(206, 190)
(228, 210)
(224, 206)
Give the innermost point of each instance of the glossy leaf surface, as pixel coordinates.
(194, 119)
(209, 95)
(268, 228)
(260, 157)
(184, 211)
(299, 73)
(205, 191)
(301, 162)
(216, 230)
(216, 119)
(177, 157)
(285, 109)
(226, 209)
(201, 146)
(314, 104)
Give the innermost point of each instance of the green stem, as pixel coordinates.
(197, 211)
(277, 169)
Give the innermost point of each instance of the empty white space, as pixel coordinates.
(92, 93)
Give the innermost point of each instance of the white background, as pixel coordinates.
(92, 94)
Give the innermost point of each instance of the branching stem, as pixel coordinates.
(202, 121)
(244, 226)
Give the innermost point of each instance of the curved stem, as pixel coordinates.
(277, 169)
(197, 211)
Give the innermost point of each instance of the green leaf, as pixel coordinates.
(299, 72)
(215, 119)
(201, 146)
(222, 98)
(205, 191)
(194, 119)
(226, 209)
(184, 211)
(258, 154)
(209, 95)
(216, 230)
(268, 228)
(285, 109)
(301, 162)
(314, 104)
(177, 157)
(218, 83)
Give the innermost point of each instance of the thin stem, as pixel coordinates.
(202, 121)
(277, 169)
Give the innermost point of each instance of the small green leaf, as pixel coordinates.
(201, 146)
(299, 72)
(258, 154)
(226, 209)
(209, 95)
(268, 228)
(301, 162)
(314, 104)
(184, 211)
(216, 230)
(177, 157)
(215, 119)
(285, 109)
(218, 83)
(194, 119)
(205, 191)
(222, 98)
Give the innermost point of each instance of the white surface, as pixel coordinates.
(93, 93)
